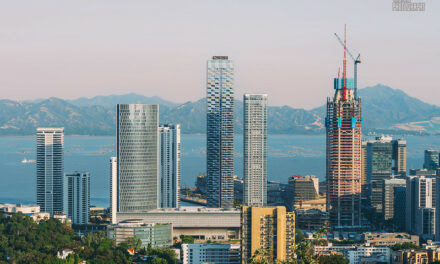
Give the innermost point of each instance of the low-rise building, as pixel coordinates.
(354, 254)
(31, 210)
(199, 222)
(151, 235)
(311, 219)
(211, 253)
(389, 239)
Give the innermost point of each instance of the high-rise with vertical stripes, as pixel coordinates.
(169, 165)
(220, 132)
(137, 158)
(50, 169)
(255, 149)
(344, 142)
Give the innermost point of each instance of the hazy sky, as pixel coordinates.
(285, 48)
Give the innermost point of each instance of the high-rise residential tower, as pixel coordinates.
(267, 228)
(431, 159)
(399, 157)
(220, 132)
(50, 169)
(137, 158)
(255, 149)
(344, 143)
(113, 189)
(77, 197)
(169, 166)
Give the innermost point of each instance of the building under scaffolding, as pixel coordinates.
(344, 139)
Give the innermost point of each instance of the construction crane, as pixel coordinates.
(355, 60)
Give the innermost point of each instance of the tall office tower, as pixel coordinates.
(389, 197)
(379, 168)
(364, 169)
(344, 143)
(77, 197)
(255, 149)
(399, 157)
(169, 166)
(113, 189)
(50, 169)
(420, 205)
(437, 207)
(267, 228)
(400, 207)
(384, 159)
(220, 132)
(431, 159)
(137, 157)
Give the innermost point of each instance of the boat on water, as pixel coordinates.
(27, 161)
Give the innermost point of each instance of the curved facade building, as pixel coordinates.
(137, 157)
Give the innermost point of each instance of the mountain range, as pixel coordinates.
(384, 110)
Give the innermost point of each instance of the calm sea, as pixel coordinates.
(288, 155)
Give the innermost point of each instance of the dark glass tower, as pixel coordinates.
(220, 132)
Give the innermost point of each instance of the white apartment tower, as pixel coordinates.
(50, 169)
(169, 165)
(255, 149)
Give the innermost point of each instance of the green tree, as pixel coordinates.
(333, 259)
(405, 245)
(134, 243)
(261, 256)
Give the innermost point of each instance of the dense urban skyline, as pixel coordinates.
(283, 48)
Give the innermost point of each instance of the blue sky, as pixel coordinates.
(285, 48)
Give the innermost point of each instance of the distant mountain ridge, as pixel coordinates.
(384, 110)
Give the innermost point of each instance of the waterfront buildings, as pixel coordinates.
(220, 132)
(420, 206)
(392, 203)
(344, 139)
(50, 169)
(169, 166)
(151, 235)
(211, 253)
(431, 159)
(137, 157)
(268, 228)
(199, 222)
(255, 149)
(31, 210)
(385, 157)
(77, 197)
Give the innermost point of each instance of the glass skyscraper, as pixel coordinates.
(431, 159)
(220, 132)
(50, 169)
(77, 197)
(137, 157)
(255, 149)
(169, 166)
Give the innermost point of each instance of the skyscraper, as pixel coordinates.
(50, 169)
(384, 159)
(220, 132)
(431, 159)
(344, 133)
(169, 166)
(77, 197)
(137, 157)
(268, 228)
(255, 149)
(420, 205)
(390, 203)
(113, 189)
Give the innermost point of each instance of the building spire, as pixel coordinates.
(344, 72)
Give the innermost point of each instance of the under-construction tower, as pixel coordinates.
(344, 142)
